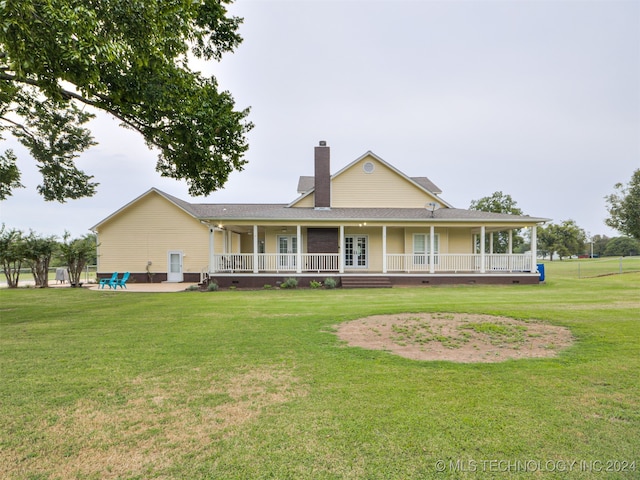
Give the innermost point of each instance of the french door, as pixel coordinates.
(287, 249)
(355, 251)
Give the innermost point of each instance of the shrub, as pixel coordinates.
(289, 283)
(213, 287)
(330, 282)
(314, 284)
(267, 286)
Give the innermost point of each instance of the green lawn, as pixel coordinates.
(254, 384)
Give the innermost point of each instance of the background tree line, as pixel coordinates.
(38, 253)
(567, 239)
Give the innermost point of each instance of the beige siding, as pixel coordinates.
(306, 202)
(395, 240)
(381, 188)
(460, 240)
(146, 231)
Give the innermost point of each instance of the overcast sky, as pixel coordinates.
(537, 99)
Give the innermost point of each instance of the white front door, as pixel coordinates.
(174, 272)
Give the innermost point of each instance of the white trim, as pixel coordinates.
(341, 252)
(432, 248)
(298, 249)
(483, 260)
(534, 249)
(384, 249)
(255, 248)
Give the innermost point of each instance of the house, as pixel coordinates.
(367, 224)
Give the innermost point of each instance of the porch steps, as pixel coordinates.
(366, 282)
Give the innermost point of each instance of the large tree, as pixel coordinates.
(622, 247)
(127, 58)
(37, 253)
(624, 207)
(77, 254)
(11, 254)
(564, 240)
(500, 202)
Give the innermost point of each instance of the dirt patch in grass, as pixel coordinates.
(455, 337)
(156, 424)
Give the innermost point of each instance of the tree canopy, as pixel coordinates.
(130, 59)
(624, 207)
(500, 202)
(565, 239)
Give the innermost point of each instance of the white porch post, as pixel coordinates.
(534, 248)
(510, 242)
(212, 241)
(255, 249)
(341, 253)
(384, 249)
(432, 244)
(482, 250)
(491, 243)
(299, 249)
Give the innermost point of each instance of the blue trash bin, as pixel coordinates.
(541, 271)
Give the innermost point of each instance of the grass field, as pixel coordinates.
(254, 384)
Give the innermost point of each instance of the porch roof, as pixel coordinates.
(271, 212)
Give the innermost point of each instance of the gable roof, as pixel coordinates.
(280, 211)
(306, 184)
(181, 204)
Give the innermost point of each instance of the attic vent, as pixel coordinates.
(368, 167)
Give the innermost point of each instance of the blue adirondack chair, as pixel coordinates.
(122, 282)
(107, 281)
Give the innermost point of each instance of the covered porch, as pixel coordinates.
(363, 250)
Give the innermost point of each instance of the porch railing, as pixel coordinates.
(280, 262)
(456, 262)
(396, 263)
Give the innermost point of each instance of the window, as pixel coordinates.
(421, 248)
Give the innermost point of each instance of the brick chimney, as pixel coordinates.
(322, 177)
